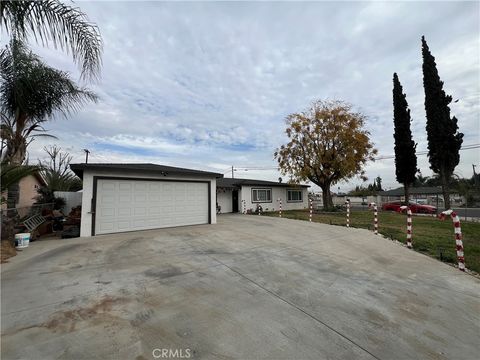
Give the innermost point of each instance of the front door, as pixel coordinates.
(235, 201)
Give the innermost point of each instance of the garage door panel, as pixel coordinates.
(155, 210)
(127, 198)
(124, 186)
(139, 211)
(139, 223)
(155, 187)
(124, 212)
(153, 223)
(140, 198)
(108, 199)
(154, 197)
(127, 205)
(140, 185)
(108, 186)
(107, 212)
(123, 225)
(107, 226)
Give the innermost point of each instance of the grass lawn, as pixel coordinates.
(431, 236)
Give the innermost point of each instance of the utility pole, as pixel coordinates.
(232, 171)
(475, 175)
(86, 155)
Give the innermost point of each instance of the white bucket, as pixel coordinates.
(22, 240)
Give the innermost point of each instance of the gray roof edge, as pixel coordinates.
(413, 190)
(78, 169)
(229, 183)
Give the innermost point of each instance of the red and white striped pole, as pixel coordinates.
(348, 212)
(244, 207)
(280, 211)
(311, 210)
(409, 225)
(458, 237)
(375, 217)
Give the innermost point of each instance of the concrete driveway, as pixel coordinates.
(248, 287)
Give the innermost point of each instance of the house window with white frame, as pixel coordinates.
(261, 195)
(294, 195)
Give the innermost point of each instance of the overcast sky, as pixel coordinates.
(208, 85)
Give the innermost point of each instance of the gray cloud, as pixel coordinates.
(208, 85)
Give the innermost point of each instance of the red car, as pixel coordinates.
(416, 208)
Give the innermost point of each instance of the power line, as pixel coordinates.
(425, 152)
(383, 157)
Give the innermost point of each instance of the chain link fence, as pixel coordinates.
(20, 214)
(27, 211)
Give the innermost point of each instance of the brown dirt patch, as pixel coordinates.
(7, 251)
(66, 321)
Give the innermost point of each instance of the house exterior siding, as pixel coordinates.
(88, 180)
(278, 192)
(28, 191)
(224, 200)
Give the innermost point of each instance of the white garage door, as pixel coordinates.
(127, 205)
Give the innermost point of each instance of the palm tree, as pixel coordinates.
(50, 20)
(16, 140)
(31, 93)
(57, 174)
(420, 180)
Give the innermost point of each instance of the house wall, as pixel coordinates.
(28, 191)
(278, 192)
(224, 199)
(86, 222)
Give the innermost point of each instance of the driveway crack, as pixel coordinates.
(313, 317)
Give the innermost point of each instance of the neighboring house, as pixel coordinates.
(233, 193)
(429, 195)
(27, 191)
(28, 187)
(127, 197)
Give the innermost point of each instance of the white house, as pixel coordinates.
(127, 197)
(234, 194)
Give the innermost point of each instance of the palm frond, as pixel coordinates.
(66, 26)
(29, 86)
(45, 135)
(56, 170)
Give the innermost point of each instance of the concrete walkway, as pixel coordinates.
(248, 287)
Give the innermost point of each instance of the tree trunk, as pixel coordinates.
(16, 153)
(19, 152)
(8, 229)
(406, 187)
(10, 216)
(445, 190)
(327, 198)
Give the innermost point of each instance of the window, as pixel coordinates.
(261, 195)
(294, 196)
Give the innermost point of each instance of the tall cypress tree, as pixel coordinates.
(444, 140)
(379, 183)
(405, 158)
